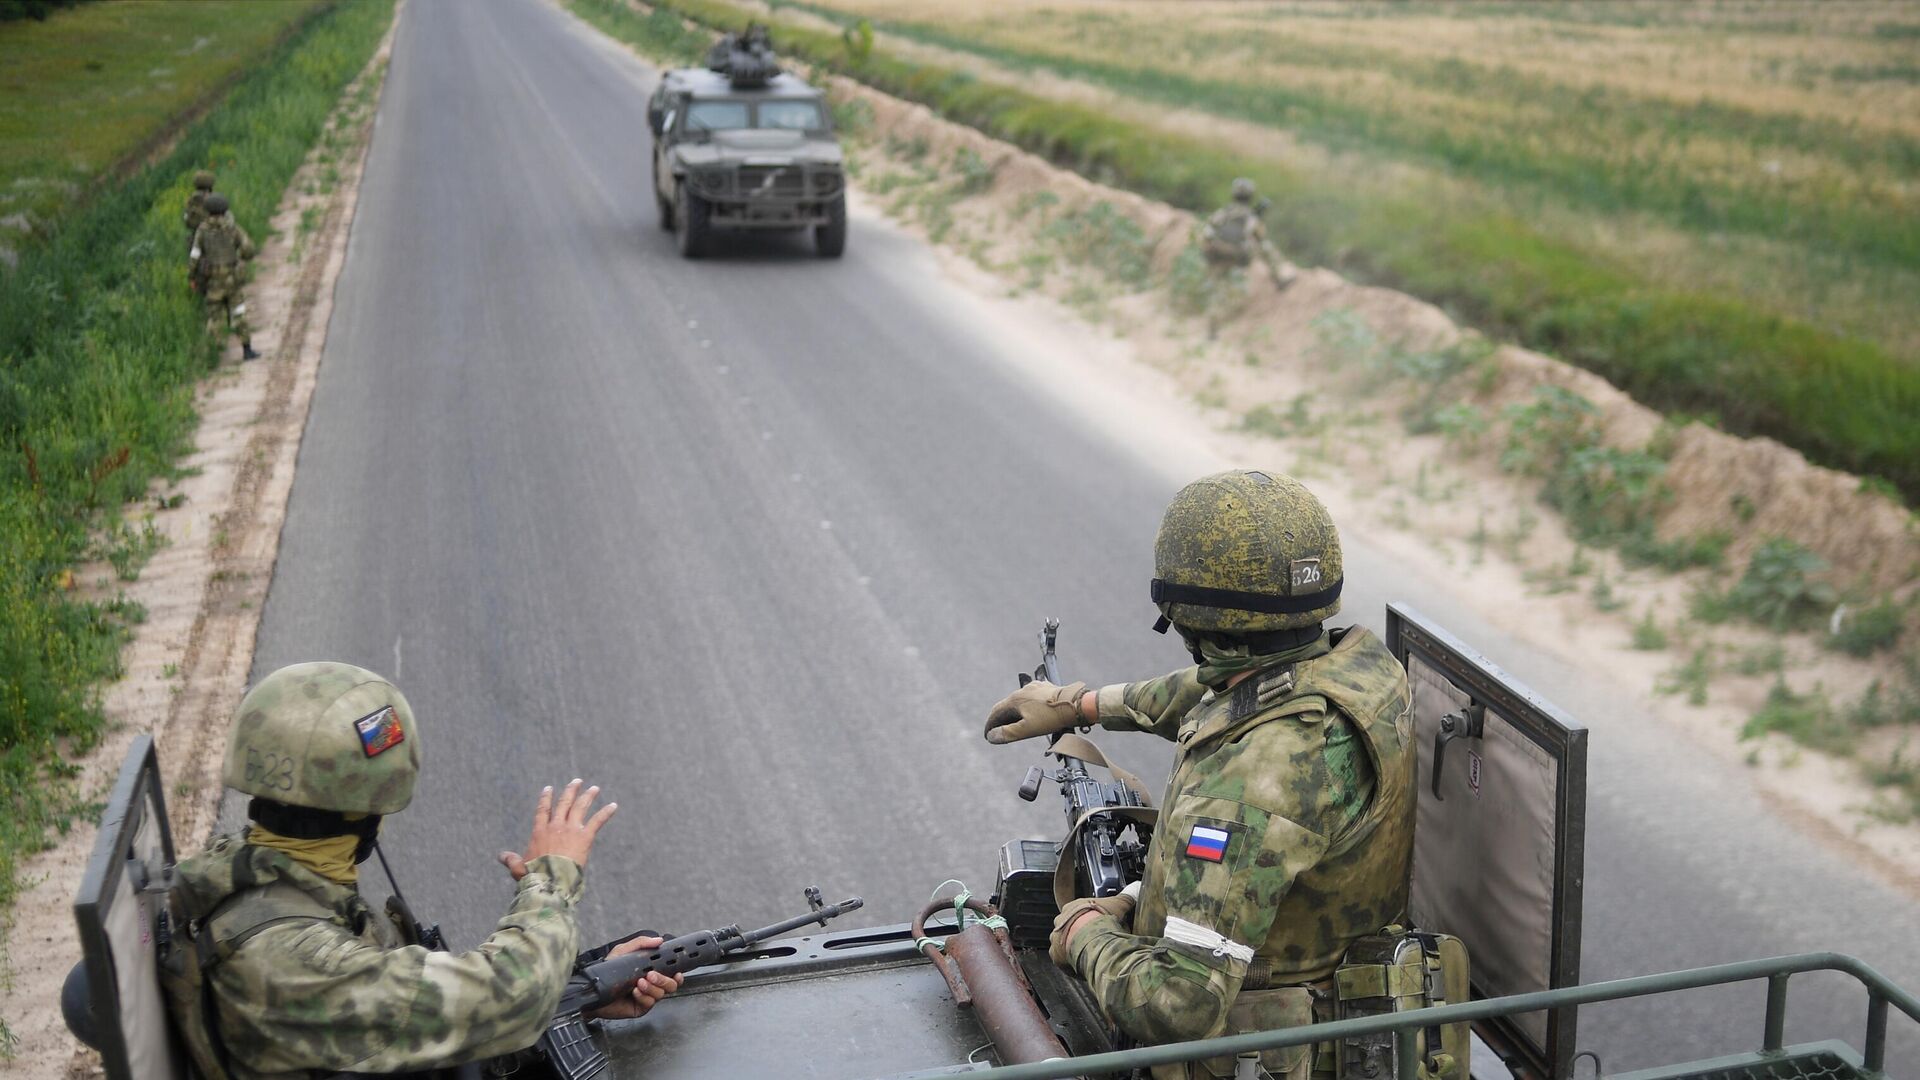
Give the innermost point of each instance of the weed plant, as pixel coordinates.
(100, 347)
(1868, 630)
(1190, 284)
(1103, 237)
(1690, 678)
(1808, 719)
(1647, 634)
(1780, 588)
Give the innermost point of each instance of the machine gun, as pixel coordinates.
(571, 1054)
(1109, 847)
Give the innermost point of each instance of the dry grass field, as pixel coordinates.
(90, 87)
(1764, 151)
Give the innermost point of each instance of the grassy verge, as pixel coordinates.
(100, 347)
(92, 87)
(1843, 401)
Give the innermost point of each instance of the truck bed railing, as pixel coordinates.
(1880, 994)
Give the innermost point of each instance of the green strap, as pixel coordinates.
(243, 915)
(960, 912)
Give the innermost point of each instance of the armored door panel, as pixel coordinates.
(1500, 835)
(118, 919)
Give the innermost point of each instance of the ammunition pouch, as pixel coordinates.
(1268, 1010)
(1398, 970)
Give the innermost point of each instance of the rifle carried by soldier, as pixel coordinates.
(599, 977)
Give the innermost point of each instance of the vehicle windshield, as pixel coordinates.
(717, 115)
(801, 114)
(791, 115)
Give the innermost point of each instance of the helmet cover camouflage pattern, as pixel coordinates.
(203, 180)
(1243, 190)
(216, 204)
(326, 736)
(1246, 552)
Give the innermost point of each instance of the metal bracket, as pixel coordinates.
(1470, 723)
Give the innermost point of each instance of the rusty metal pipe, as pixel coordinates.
(979, 967)
(1001, 999)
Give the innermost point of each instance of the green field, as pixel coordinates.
(101, 346)
(92, 87)
(1711, 204)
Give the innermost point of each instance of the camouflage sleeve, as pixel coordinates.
(1155, 705)
(246, 243)
(1268, 253)
(1267, 793)
(312, 996)
(196, 248)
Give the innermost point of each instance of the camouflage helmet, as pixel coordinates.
(203, 180)
(325, 736)
(1243, 190)
(216, 204)
(1246, 552)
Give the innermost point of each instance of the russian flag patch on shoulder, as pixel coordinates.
(1209, 843)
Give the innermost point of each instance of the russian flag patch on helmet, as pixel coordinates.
(1209, 843)
(380, 731)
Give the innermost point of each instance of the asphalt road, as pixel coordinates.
(753, 541)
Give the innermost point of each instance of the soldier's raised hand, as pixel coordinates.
(561, 827)
(1038, 708)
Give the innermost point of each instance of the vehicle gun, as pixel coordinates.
(1109, 847)
(599, 978)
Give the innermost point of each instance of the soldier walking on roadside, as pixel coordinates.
(1286, 833)
(220, 245)
(196, 211)
(1233, 236)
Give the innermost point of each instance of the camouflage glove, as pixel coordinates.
(1118, 907)
(1038, 708)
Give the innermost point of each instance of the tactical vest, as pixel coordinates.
(1360, 885)
(219, 245)
(1229, 236)
(196, 211)
(1230, 226)
(193, 949)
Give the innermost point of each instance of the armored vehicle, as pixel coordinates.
(742, 145)
(964, 986)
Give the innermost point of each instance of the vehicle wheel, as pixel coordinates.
(830, 240)
(690, 224)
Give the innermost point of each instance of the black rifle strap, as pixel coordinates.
(392, 882)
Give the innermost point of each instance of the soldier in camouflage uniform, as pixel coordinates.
(306, 979)
(1232, 237)
(196, 211)
(1286, 832)
(220, 245)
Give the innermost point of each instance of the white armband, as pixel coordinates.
(1200, 937)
